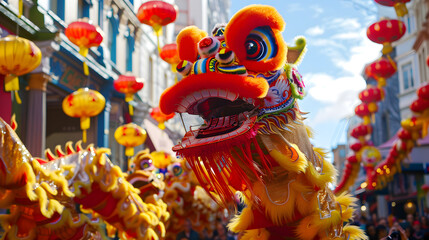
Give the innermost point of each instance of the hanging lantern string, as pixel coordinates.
(84, 52)
(392, 62)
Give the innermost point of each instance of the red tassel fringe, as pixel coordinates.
(237, 163)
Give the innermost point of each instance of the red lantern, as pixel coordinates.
(129, 85)
(157, 14)
(85, 36)
(399, 5)
(160, 117)
(385, 32)
(361, 131)
(423, 92)
(381, 69)
(356, 146)
(170, 54)
(371, 95)
(364, 111)
(425, 188)
(404, 134)
(419, 105)
(352, 159)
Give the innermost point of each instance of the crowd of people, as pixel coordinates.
(221, 233)
(392, 228)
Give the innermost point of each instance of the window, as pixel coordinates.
(113, 30)
(151, 81)
(409, 24)
(83, 8)
(111, 42)
(423, 67)
(129, 50)
(342, 153)
(407, 76)
(385, 127)
(57, 7)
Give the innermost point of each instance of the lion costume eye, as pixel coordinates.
(260, 44)
(144, 164)
(177, 170)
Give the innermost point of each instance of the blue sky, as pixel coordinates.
(338, 49)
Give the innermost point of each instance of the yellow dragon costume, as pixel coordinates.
(42, 195)
(244, 83)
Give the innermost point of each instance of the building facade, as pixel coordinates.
(127, 48)
(412, 72)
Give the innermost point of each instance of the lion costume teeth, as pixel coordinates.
(243, 81)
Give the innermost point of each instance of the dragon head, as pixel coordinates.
(239, 81)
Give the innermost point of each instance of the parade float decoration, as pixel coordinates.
(19, 56)
(129, 85)
(385, 32)
(399, 5)
(157, 14)
(160, 117)
(84, 103)
(130, 135)
(254, 140)
(42, 195)
(85, 36)
(170, 55)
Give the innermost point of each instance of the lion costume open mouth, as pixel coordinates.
(225, 102)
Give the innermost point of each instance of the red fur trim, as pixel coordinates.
(245, 21)
(187, 42)
(230, 163)
(247, 87)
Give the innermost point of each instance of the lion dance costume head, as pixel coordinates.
(244, 83)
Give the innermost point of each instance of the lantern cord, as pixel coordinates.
(17, 98)
(392, 62)
(183, 122)
(84, 135)
(88, 78)
(157, 44)
(130, 109)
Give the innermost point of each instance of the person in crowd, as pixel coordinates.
(396, 232)
(222, 233)
(374, 219)
(418, 232)
(381, 231)
(409, 233)
(370, 231)
(363, 221)
(188, 233)
(383, 222)
(410, 220)
(425, 226)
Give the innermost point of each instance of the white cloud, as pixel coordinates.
(315, 31)
(294, 7)
(338, 95)
(317, 10)
(347, 36)
(361, 54)
(345, 24)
